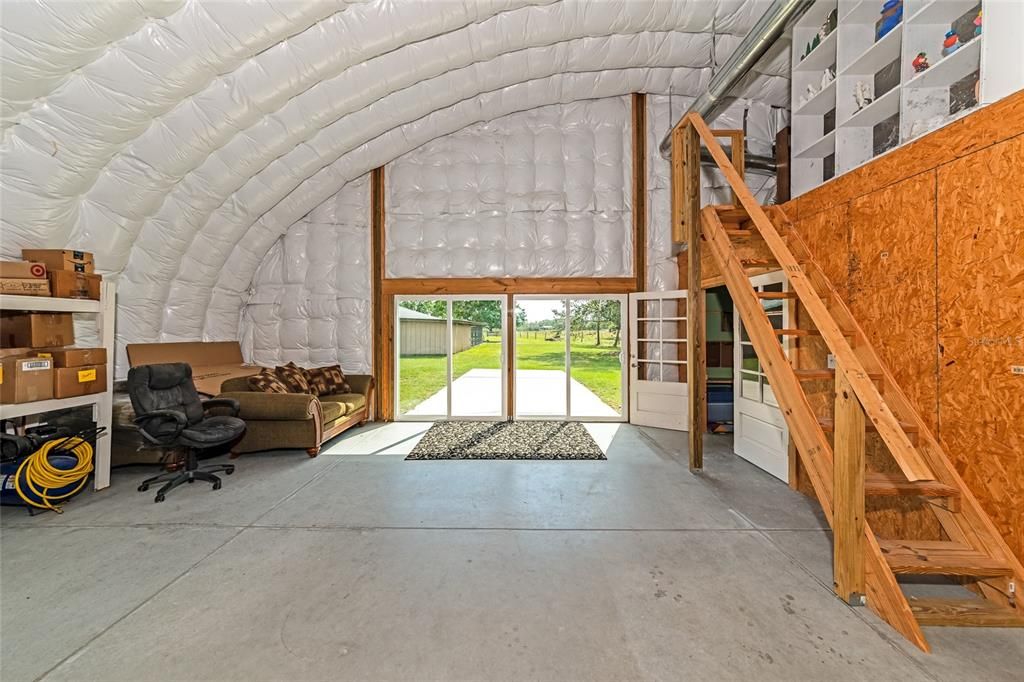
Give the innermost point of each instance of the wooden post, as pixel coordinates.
(639, 102)
(696, 362)
(382, 409)
(848, 493)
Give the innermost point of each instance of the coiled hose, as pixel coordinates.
(40, 477)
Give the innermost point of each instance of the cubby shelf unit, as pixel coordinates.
(832, 134)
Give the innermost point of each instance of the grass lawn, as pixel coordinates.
(596, 367)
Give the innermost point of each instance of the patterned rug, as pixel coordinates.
(507, 440)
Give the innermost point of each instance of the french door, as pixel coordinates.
(450, 357)
(568, 354)
(761, 436)
(657, 360)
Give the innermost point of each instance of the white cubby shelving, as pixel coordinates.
(832, 134)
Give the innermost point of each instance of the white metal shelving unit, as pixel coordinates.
(831, 136)
(102, 403)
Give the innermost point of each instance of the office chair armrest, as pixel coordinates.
(230, 404)
(181, 421)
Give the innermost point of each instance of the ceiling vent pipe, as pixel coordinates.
(760, 38)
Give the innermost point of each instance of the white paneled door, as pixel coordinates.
(657, 360)
(761, 436)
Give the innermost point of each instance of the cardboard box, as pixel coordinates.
(17, 353)
(67, 284)
(25, 380)
(24, 287)
(19, 269)
(73, 357)
(36, 330)
(61, 259)
(70, 382)
(213, 362)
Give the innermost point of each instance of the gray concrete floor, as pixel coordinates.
(365, 567)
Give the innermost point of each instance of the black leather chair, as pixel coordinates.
(169, 412)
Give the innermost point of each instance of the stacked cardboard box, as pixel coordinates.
(23, 278)
(39, 362)
(63, 273)
(72, 274)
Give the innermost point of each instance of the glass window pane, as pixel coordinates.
(476, 358)
(540, 358)
(749, 360)
(422, 333)
(595, 358)
(750, 386)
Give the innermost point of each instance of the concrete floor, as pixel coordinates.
(354, 566)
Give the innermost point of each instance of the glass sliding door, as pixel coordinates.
(450, 357)
(568, 357)
(541, 386)
(478, 375)
(596, 358)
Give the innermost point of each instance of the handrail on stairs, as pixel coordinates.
(686, 138)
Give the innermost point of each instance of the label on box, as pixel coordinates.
(44, 355)
(85, 375)
(1, 374)
(35, 365)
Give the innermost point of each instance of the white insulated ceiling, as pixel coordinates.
(180, 139)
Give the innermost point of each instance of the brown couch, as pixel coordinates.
(297, 420)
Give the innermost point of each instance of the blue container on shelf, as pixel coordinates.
(892, 15)
(719, 403)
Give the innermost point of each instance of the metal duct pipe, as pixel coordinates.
(753, 162)
(761, 37)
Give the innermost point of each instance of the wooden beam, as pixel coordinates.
(639, 102)
(381, 407)
(696, 334)
(848, 494)
(509, 285)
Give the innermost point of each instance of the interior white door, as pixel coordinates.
(760, 433)
(658, 393)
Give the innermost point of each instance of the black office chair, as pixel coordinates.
(169, 412)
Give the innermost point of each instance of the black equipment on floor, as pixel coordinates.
(169, 412)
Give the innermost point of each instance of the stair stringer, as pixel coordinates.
(884, 595)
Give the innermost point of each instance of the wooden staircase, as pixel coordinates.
(728, 244)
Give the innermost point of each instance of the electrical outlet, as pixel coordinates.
(1017, 369)
(831, 361)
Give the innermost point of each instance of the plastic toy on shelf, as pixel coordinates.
(862, 93)
(977, 25)
(920, 62)
(951, 44)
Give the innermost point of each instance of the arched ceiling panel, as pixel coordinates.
(178, 139)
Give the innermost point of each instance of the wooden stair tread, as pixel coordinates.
(824, 373)
(976, 613)
(827, 424)
(932, 557)
(777, 295)
(878, 484)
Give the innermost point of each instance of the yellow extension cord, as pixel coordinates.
(41, 476)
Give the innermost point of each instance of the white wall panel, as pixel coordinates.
(539, 193)
(310, 300)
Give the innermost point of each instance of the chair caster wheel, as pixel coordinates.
(229, 471)
(143, 488)
(216, 486)
(191, 480)
(159, 498)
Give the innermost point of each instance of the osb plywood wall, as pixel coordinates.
(926, 245)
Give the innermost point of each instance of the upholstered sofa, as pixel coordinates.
(297, 420)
